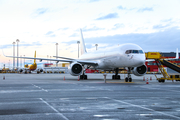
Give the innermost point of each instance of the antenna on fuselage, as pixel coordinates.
(83, 47)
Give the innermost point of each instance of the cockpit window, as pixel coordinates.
(134, 51)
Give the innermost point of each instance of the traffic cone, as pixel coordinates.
(147, 81)
(3, 77)
(78, 78)
(64, 77)
(144, 79)
(150, 78)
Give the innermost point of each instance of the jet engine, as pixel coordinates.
(139, 71)
(21, 70)
(41, 70)
(75, 69)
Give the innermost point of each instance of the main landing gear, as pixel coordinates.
(128, 78)
(83, 76)
(116, 76)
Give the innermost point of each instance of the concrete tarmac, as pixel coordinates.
(50, 97)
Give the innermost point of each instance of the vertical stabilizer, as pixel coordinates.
(35, 57)
(83, 47)
(177, 54)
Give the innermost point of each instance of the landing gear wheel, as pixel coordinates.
(83, 77)
(113, 77)
(130, 79)
(118, 77)
(126, 79)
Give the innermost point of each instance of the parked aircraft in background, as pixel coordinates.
(130, 56)
(33, 67)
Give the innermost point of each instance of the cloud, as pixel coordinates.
(41, 11)
(74, 35)
(21, 45)
(50, 34)
(159, 41)
(145, 9)
(117, 26)
(94, 0)
(160, 26)
(108, 16)
(121, 7)
(167, 20)
(94, 28)
(63, 28)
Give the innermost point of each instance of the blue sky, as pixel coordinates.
(39, 24)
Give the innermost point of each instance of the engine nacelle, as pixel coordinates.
(21, 70)
(139, 71)
(75, 69)
(41, 70)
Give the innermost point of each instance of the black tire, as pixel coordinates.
(130, 79)
(85, 77)
(81, 77)
(113, 77)
(119, 77)
(126, 79)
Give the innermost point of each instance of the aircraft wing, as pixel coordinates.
(61, 60)
(64, 58)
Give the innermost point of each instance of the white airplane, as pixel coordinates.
(130, 56)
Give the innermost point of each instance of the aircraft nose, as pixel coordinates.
(140, 60)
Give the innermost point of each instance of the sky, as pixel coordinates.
(39, 24)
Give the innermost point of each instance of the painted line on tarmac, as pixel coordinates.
(142, 107)
(40, 88)
(54, 109)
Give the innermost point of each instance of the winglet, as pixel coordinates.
(177, 54)
(83, 47)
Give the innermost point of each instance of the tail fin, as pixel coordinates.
(83, 47)
(177, 54)
(35, 57)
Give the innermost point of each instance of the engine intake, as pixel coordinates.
(75, 69)
(139, 71)
(21, 70)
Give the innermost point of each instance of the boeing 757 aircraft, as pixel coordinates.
(130, 56)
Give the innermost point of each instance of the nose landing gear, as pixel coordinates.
(128, 78)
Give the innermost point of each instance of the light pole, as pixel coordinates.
(96, 46)
(24, 60)
(9, 64)
(78, 42)
(56, 53)
(13, 55)
(17, 53)
(47, 58)
(21, 61)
